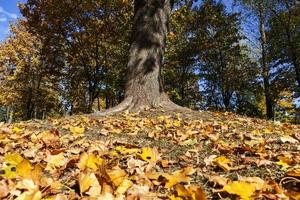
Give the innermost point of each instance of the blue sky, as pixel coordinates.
(8, 12)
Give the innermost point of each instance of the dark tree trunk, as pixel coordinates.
(144, 85)
(144, 81)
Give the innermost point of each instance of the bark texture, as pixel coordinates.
(144, 80)
(144, 86)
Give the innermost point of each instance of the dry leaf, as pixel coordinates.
(243, 189)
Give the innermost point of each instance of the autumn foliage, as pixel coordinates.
(159, 157)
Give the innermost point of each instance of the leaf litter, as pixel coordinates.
(163, 156)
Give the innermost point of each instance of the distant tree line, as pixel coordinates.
(70, 57)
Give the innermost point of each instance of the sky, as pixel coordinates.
(9, 11)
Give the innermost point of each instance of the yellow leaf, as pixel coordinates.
(182, 191)
(13, 158)
(124, 150)
(36, 173)
(190, 192)
(284, 162)
(117, 175)
(77, 130)
(267, 131)
(16, 130)
(55, 161)
(173, 197)
(124, 186)
(223, 162)
(24, 169)
(179, 177)
(9, 172)
(150, 155)
(243, 189)
(176, 123)
(89, 182)
(91, 161)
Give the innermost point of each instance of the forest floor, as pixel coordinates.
(153, 155)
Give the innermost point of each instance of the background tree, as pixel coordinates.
(221, 58)
(86, 42)
(259, 9)
(284, 34)
(26, 89)
(180, 60)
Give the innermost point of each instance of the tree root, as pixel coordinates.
(124, 105)
(132, 104)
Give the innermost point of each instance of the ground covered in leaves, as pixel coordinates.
(162, 156)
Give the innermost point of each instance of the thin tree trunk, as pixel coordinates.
(7, 113)
(11, 116)
(265, 68)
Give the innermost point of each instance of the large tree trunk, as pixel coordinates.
(144, 81)
(144, 87)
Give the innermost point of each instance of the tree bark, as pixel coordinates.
(144, 84)
(264, 63)
(144, 81)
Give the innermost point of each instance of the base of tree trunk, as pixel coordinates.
(135, 104)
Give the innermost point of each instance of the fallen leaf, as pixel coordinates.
(243, 189)
(4, 190)
(124, 186)
(150, 155)
(288, 139)
(89, 161)
(13, 158)
(89, 183)
(24, 169)
(55, 161)
(179, 176)
(223, 163)
(117, 175)
(76, 130)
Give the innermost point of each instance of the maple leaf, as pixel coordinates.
(116, 175)
(24, 169)
(89, 161)
(223, 163)
(150, 155)
(125, 150)
(124, 186)
(243, 189)
(89, 183)
(284, 162)
(16, 130)
(9, 172)
(54, 161)
(179, 177)
(13, 158)
(190, 192)
(76, 130)
(32, 190)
